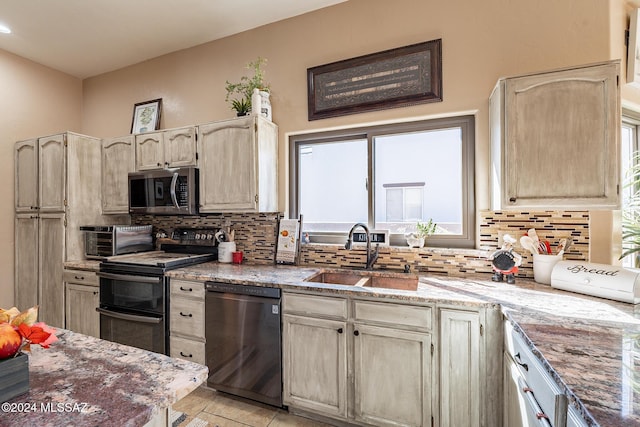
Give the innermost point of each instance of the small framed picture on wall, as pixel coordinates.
(146, 116)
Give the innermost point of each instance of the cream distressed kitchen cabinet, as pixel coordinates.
(392, 364)
(63, 186)
(364, 362)
(315, 353)
(187, 320)
(82, 297)
(470, 366)
(166, 149)
(118, 159)
(238, 165)
(555, 139)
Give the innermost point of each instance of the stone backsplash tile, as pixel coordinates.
(256, 236)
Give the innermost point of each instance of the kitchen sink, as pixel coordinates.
(368, 279)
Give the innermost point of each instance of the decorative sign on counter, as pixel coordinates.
(392, 78)
(288, 241)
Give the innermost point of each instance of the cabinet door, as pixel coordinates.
(314, 361)
(561, 138)
(460, 368)
(149, 151)
(26, 261)
(180, 148)
(51, 257)
(118, 159)
(228, 166)
(26, 185)
(52, 173)
(81, 304)
(392, 376)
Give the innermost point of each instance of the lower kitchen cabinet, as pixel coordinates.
(392, 376)
(384, 363)
(314, 331)
(361, 361)
(315, 364)
(186, 320)
(460, 368)
(82, 297)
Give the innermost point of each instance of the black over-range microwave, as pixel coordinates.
(164, 192)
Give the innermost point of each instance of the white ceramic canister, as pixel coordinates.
(265, 110)
(225, 251)
(543, 265)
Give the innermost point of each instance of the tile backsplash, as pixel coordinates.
(256, 236)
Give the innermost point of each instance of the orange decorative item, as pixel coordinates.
(19, 330)
(10, 341)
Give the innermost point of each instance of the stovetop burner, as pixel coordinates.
(185, 247)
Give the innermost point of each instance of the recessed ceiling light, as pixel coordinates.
(4, 29)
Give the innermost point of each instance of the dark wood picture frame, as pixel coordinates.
(392, 78)
(146, 116)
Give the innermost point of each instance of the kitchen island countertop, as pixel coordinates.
(84, 381)
(589, 345)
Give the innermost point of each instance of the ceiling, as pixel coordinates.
(85, 38)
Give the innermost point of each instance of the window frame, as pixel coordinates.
(631, 119)
(467, 239)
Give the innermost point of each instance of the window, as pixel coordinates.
(630, 152)
(388, 177)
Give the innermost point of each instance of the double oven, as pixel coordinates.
(134, 291)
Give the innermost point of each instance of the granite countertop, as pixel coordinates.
(83, 264)
(589, 345)
(85, 381)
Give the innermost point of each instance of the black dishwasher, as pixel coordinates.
(244, 344)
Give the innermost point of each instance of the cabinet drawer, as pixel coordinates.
(190, 350)
(313, 305)
(545, 390)
(82, 277)
(394, 314)
(187, 317)
(185, 288)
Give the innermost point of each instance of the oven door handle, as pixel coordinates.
(129, 278)
(131, 317)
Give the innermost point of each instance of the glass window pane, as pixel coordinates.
(429, 165)
(332, 181)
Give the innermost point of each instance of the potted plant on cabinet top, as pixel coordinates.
(423, 230)
(239, 94)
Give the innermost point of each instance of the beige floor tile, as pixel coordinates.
(283, 419)
(195, 402)
(217, 421)
(251, 413)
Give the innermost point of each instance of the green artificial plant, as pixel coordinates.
(239, 94)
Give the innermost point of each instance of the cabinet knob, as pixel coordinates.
(340, 330)
(356, 332)
(186, 289)
(96, 292)
(159, 164)
(79, 277)
(185, 355)
(186, 315)
(512, 199)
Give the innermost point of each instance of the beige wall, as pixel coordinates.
(35, 101)
(482, 41)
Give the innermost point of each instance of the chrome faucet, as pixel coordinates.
(371, 257)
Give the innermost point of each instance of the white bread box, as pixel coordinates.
(600, 280)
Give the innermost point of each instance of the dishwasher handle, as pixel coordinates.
(240, 289)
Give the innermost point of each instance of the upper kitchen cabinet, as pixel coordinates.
(167, 149)
(555, 139)
(238, 165)
(118, 159)
(26, 180)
